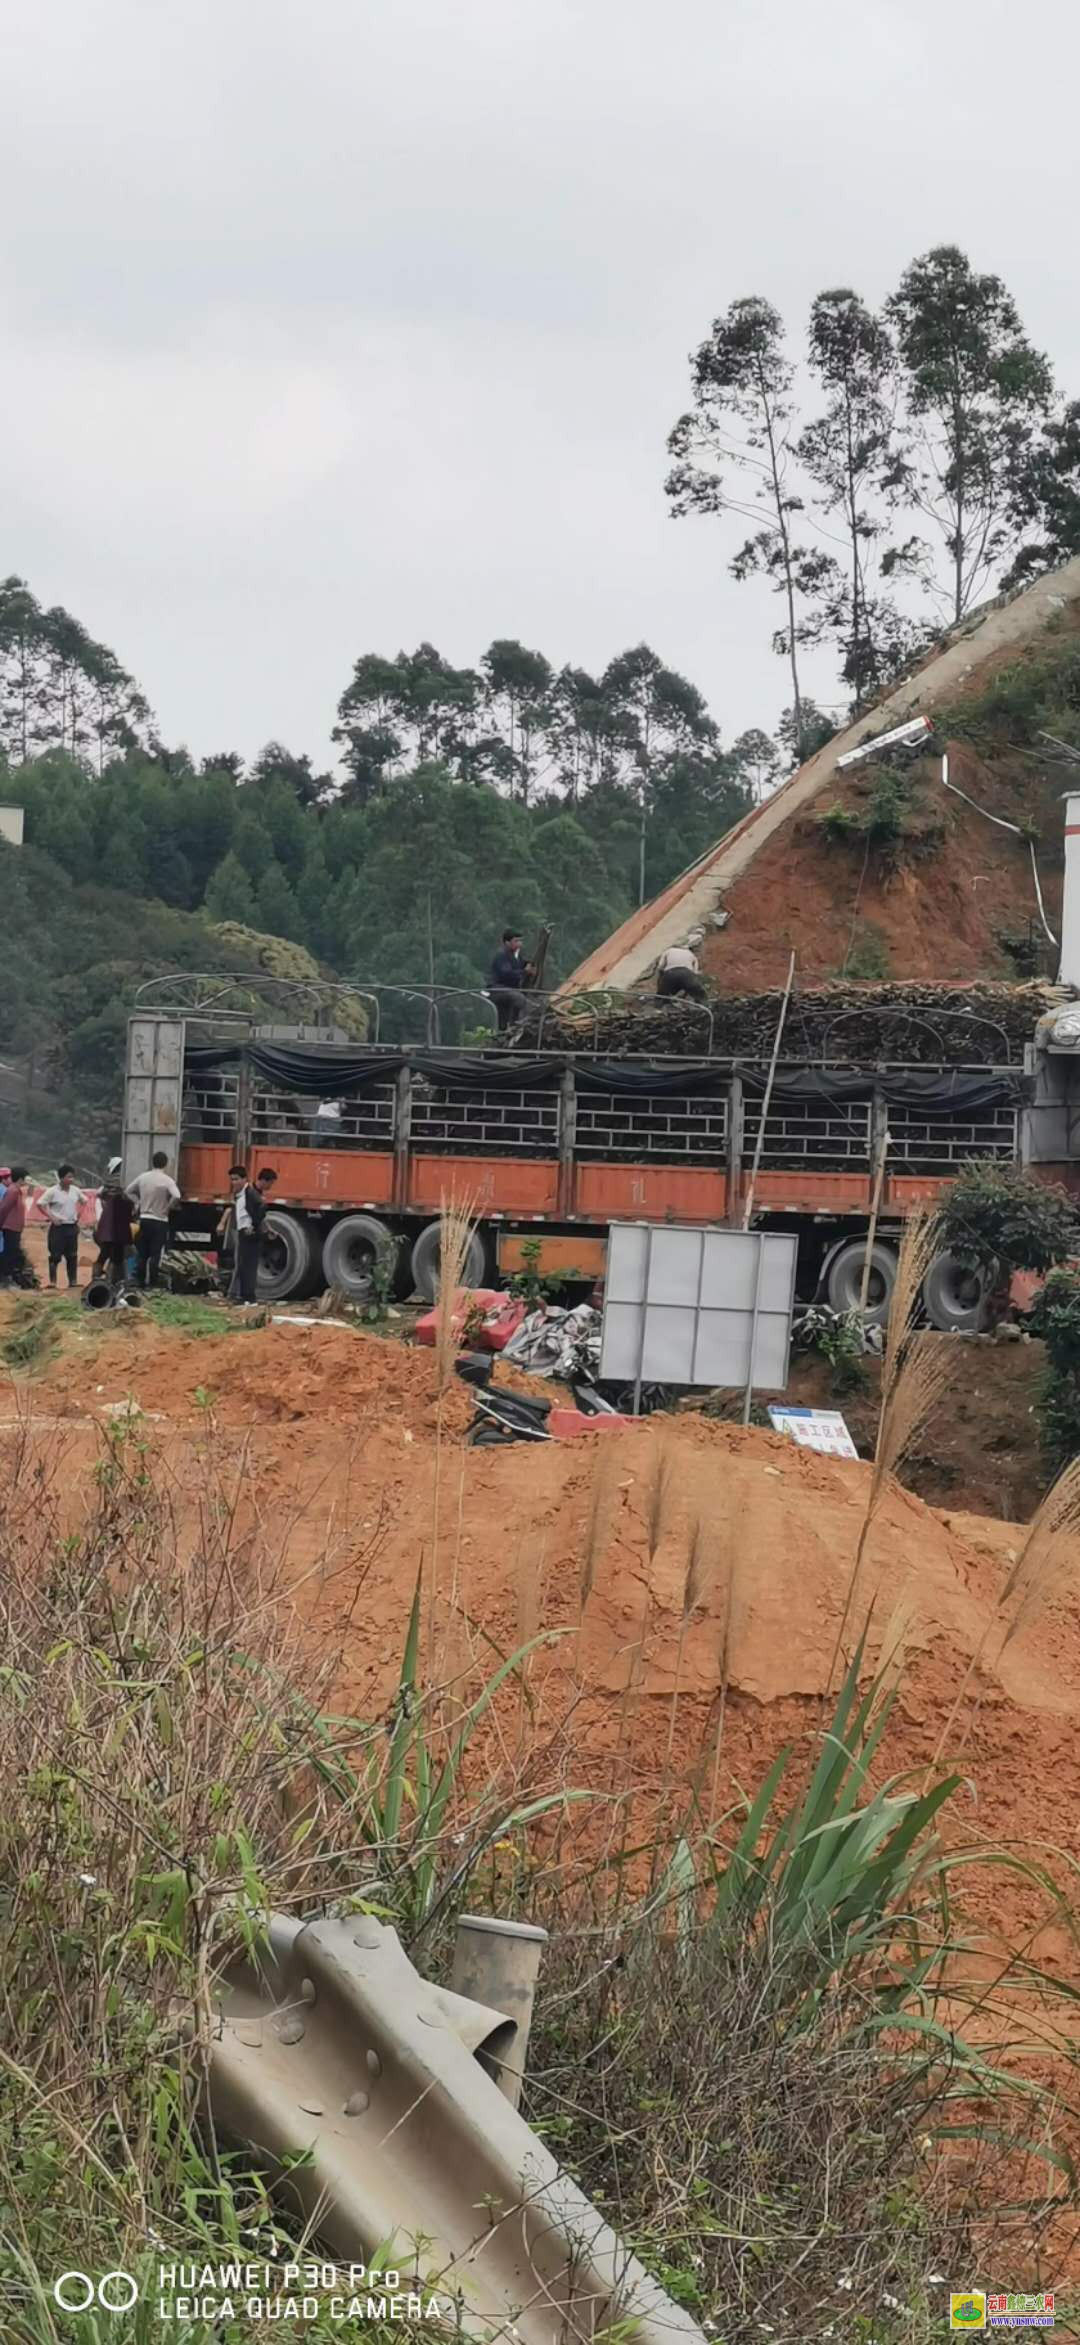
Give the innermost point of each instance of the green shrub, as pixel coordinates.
(839, 824)
(997, 1214)
(1041, 692)
(1056, 1318)
(867, 956)
(839, 1337)
(532, 1286)
(885, 818)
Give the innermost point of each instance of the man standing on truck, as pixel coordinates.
(506, 984)
(250, 1201)
(153, 1194)
(60, 1205)
(677, 973)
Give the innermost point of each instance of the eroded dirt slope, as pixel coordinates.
(943, 901)
(323, 1452)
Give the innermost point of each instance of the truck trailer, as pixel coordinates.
(549, 1147)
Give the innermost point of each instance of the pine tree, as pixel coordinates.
(276, 905)
(312, 891)
(230, 895)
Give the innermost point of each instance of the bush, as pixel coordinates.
(840, 1339)
(292, 962)
(1039, 690)
(839, 824)
(885, 818)
(1056, 1318)
(867, 958)
(880, 822)
(772, 2177)
(996, 1214)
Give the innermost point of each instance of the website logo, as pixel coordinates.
(968, 2311)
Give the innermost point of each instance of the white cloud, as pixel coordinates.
(350, 325)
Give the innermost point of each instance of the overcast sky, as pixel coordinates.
(332, 325)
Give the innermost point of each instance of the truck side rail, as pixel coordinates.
(580, 1111)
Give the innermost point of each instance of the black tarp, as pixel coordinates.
(327, 1074)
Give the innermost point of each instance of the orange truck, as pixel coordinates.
(548, 1151)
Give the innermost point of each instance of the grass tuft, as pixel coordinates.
(34, 1328)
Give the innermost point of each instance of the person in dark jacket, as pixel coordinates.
(506, 984)
(113, 1232)
(250, 1201)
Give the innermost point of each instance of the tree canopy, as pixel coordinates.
(473, 797)
(942, 463)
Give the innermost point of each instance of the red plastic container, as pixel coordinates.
(566, 1424)
(500, 1317)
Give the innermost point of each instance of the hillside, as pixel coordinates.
(78, 953)
(130, 873)
(893, 877)
(884, 873)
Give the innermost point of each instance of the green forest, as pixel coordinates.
(517, 795)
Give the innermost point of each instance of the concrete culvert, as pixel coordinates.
(290, 1258)
(99, 1295)
(843, 1280)
(956, 1298)
(354, 1250)
(425, 1261)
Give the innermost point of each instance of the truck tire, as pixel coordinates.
(425, 1262)
(843, 1280)
(288, 1263)
(956, 1299)
(350, 1252)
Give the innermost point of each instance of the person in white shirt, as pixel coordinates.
(61, 1205)
(677, 972)
(153, 1194)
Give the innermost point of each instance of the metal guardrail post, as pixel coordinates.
(243, 1109)
(498, 1963)
(402, 1136)
(644, 1318)
(567, 1137)
(748, 1393)
(734, 1149)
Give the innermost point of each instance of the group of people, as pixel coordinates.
(511, 976)
(135, 1216)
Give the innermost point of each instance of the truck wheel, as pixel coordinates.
(425, 1262)
(843, 1280)
(351, 1251)
(289, 1258)
(956, 1298)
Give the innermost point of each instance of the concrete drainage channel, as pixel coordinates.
(404, 2095)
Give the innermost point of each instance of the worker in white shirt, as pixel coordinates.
(60, 1205)
(677, 972)
(153, 1195)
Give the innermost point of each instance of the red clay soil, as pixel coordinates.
(937, 910)
(326, 1442)
(273, 1375)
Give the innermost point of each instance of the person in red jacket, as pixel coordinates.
(13, 1261)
